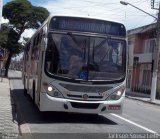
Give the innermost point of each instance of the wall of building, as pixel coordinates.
(138, 44)
(139, 74)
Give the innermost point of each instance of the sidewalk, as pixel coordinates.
(141, 97)
(8, 118)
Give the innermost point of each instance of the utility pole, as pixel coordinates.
(156, 56)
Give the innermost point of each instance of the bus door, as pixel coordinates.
(29, 72)
(40, 64)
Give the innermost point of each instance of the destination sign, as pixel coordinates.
(87, 25)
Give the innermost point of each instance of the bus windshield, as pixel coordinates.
(82, 57)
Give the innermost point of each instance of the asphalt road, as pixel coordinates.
(137, 117)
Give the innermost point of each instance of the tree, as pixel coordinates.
(8, 40)
(4, 35)
(21, 15)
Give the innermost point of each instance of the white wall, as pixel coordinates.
(144, 57)
(130, 57)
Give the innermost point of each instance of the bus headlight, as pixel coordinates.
(116, 95)
(55, 93)
(52, 91)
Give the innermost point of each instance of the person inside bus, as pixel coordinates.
(70, 56)
(77, 60)
(75, 66)
(105, 57)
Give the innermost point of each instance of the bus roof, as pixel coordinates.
(85, 16)
(78, 16)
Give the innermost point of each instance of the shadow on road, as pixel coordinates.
(28, 113)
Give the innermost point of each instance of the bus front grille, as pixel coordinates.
(80, 97)
(85, 105)
(87, 89)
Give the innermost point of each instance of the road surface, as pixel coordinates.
(137, 118)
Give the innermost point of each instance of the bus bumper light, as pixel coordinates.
(114, 107)
(65, 106)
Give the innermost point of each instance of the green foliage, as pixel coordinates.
(8, 39)
(4, 35)
(22, 15)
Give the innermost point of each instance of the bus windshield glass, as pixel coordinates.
(82, 57)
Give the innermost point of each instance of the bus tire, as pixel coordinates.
(25, 92)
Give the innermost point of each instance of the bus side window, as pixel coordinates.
(40, 36)
(38, 39)
(26, 56)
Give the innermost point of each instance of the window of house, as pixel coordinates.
(149, 45)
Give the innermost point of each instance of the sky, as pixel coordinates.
(106, 9)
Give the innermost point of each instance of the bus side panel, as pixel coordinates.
(39, 78)
(26, 66)
(40, 65)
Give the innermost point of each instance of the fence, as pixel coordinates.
(139, 80)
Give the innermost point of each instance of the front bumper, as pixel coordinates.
(48, 103)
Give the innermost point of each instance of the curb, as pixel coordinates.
(24, 129)
(149, 102)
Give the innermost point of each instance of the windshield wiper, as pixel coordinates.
(73, 38)
(102, 42)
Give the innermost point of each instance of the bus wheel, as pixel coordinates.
(25, 92)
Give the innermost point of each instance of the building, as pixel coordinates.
(142, 42)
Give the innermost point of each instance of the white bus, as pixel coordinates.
(76, 64)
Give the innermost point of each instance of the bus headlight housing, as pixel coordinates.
(52, 91)
(117, 94)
